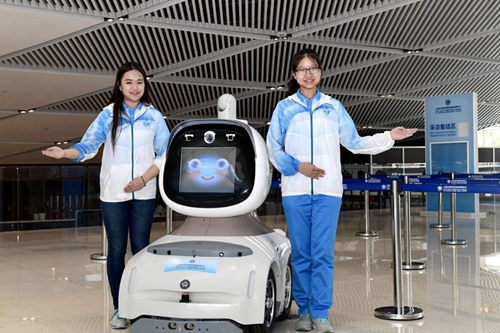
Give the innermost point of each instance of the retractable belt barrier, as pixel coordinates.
(367, 232)
(462, 183)
(408, 264)
(397, 311)
(443, 183)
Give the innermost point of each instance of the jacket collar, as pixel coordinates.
(315, 101)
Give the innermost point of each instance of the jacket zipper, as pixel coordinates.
(312, 147)
(132, 119)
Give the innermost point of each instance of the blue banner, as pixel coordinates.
(450, 142)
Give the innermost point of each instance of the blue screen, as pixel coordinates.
(207, 170)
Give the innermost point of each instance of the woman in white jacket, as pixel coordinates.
(304, 138)
(135, 138)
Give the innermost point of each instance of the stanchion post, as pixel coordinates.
(453, 209)
(441, 258)
(398, 311)
(408, 264)
(102, 255)
(168, 221)
(366, 232)
(440, 224)
(368, 257)
(454, 279)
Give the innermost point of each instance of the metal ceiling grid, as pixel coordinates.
(477, 83)
(248, 15)
(388, 113)
(197, 50)
(481, 49)
(84, 104)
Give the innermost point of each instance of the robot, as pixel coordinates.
(223, 269)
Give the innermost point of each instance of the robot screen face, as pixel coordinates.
(209, 164)
(207, 170)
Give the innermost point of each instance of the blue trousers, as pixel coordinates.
(312, 227)
(120, 219)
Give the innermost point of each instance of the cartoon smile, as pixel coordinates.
(208, 169)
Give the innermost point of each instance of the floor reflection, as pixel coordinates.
(49, 284)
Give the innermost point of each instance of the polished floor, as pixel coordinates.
(49, 284)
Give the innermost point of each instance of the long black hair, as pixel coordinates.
(292, 86)
(117, 95)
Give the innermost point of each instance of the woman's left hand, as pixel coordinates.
(400, 133)
(135, 185)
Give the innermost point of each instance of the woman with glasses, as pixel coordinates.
(304, 138)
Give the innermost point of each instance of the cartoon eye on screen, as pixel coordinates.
(207, 170)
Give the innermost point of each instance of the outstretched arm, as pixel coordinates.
(400, 133)
(58, 153)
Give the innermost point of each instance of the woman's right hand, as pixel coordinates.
(310, 170)
(54, 152)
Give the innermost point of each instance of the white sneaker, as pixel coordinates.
(322, 325)
(304, 323)
(118, 322)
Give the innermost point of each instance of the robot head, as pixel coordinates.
(215, 168)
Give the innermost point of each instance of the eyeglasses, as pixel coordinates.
(302, 71)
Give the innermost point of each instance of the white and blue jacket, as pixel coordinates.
(141, 142)
(312, 130)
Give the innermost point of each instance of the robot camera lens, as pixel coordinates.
(209, 137)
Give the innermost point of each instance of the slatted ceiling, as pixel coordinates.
(437, 70)
(378, 113)
(489, 92)
(487, 115)
(342, 57)
(259, 107)
(354, 74)
(94, 103)
(483, 84)
(345, 99)
(487, 47)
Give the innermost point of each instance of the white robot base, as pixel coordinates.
(210, 275)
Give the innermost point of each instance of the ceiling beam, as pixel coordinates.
(27, 6)
(346, 18)
(212, 103)
(148, 9)
(205, 59)
(457, 57)
(81, 32)
(213, 82)
(205, 28)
